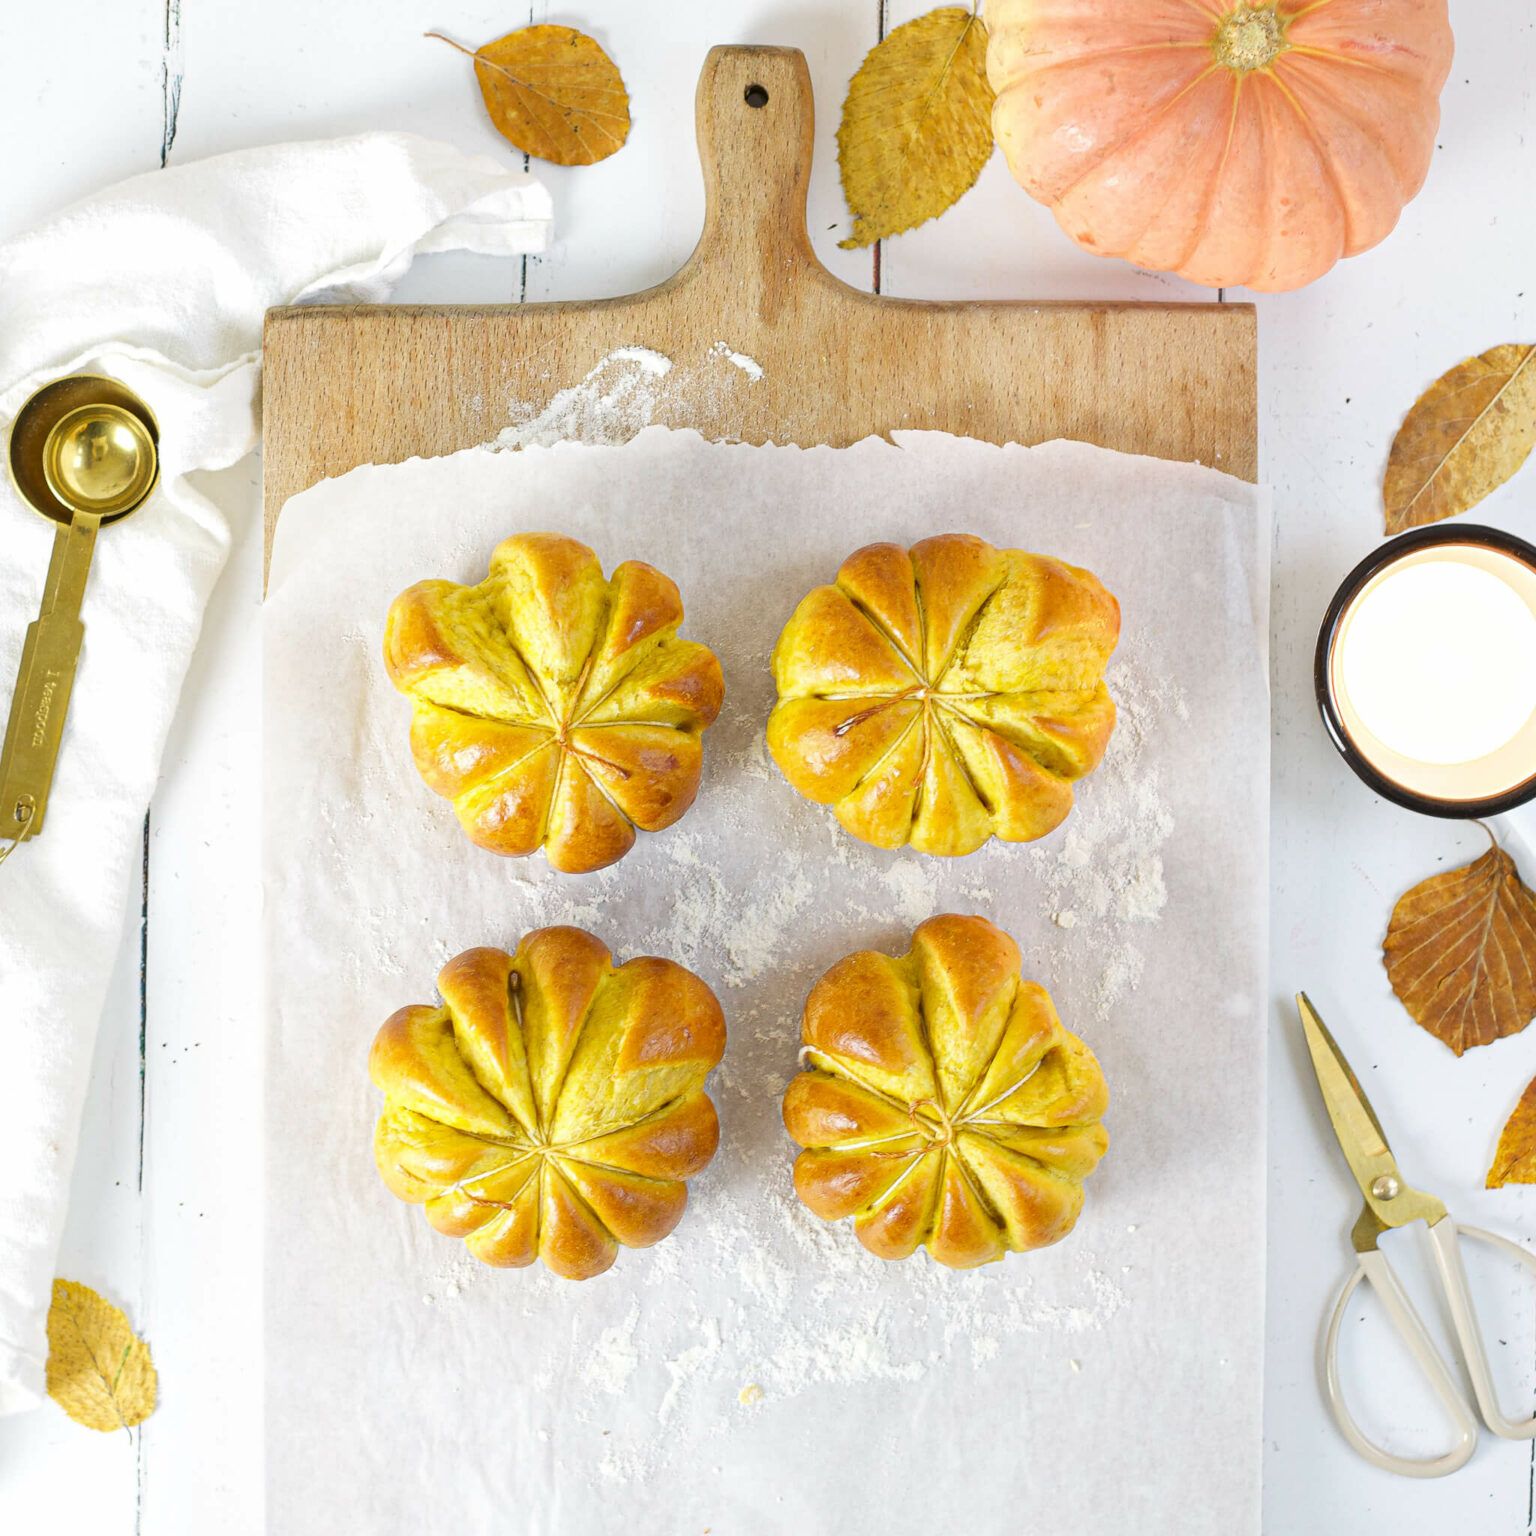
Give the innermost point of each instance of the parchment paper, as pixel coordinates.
(758, 1372)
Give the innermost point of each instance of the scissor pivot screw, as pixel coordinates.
(1386, 1187)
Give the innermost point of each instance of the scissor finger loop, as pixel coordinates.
(1375, 1268)
(1453, 1277)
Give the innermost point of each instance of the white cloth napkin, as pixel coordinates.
(162, 282)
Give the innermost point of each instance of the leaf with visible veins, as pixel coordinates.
(553, 92)
(1460, 952)
(1515, 1160)
(1465, 436)
(99, 1370)
(917, 124)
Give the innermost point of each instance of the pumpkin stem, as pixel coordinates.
(1248, 39)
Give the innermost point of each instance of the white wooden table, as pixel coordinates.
(166, 1209)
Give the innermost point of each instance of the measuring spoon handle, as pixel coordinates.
(37, 722)
(43, 683)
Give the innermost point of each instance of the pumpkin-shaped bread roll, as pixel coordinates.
(946, 694)
(552, 1106)
(943, 1105)
(555, 708)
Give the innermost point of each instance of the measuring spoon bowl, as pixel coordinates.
(29, 450)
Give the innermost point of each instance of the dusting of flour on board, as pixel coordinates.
(748, 365)
(625, 392)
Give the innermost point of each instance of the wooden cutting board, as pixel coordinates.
(349, 385)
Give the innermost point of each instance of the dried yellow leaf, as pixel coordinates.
(1465, 436)
(1515, 1160)
(1461, 952)
(553, 92)
(917, 124)
(99, 1369)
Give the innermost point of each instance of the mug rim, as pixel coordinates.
(1350, 588)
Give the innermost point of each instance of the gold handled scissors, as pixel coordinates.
(1390, 1201)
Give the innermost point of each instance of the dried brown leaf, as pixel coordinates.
(553, 92)
(1461, 952)
(1515, 1160)
(1465, 436)
(99, 1370)
(917, 124)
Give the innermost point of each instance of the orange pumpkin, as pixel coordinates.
(1235, 142)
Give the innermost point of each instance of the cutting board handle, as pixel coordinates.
(755, 125)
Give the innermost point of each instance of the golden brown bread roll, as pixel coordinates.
(555, 708)
(553, 1105)
(946, 694)
(944, 1105)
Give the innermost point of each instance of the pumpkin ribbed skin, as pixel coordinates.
(1232, 142)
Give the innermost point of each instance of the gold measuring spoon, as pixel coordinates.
(83, 453)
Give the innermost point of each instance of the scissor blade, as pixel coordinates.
(1354, 1121)
(1388, 1197)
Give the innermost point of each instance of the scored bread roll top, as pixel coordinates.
(553, 1105)
(555, 708)
(944, 1105)
(946, 694)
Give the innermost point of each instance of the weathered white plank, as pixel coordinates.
(202, 1145)
(82, 102)
(1340, 363)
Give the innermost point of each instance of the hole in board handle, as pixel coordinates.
(755, 96)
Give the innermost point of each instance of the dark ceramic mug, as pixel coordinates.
(1490, 549)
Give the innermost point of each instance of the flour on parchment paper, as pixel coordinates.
(616, 1356)
(769, 1342)
(623, 393)
(766, 1342)
(1105, 875)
